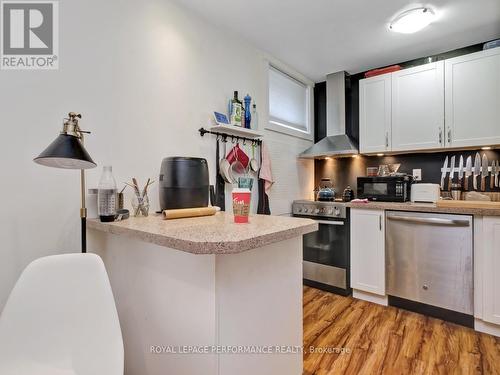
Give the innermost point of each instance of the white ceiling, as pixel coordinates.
(317, 37)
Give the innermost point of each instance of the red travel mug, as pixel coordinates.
(241, 205)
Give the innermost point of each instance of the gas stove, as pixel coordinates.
(319, 209)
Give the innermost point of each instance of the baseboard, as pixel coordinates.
(370, 297)
(485, 327)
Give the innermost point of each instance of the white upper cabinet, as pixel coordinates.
(472, 99)
(418, 108)
(375, 114)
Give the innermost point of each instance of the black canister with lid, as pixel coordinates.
(183, 183)
(348, 194)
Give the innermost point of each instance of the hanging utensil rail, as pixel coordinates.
(234, 138)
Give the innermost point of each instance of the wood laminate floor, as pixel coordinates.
(386, 340)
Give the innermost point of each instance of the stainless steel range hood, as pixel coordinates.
(337, 142)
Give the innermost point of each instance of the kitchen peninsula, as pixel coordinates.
(206, 282)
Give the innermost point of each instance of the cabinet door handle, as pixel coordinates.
(449, 135)
(386, 139)
(440, 136)
(380, 222)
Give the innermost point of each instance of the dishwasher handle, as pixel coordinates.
(430, 220)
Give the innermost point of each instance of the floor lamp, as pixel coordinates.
(67, 152)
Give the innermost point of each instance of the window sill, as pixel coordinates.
(289, 131)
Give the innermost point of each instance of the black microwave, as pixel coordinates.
(385, 189)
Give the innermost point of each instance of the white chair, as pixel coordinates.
(61, 319)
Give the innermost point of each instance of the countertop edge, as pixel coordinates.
(425, 207)
(205, 248)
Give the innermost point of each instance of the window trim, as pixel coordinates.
(282, 126)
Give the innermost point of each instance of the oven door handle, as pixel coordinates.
(328, 222)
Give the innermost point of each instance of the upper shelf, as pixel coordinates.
(236, 131)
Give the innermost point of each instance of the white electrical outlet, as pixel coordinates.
(417, 174)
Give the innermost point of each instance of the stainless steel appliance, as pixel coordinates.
(429, 261)
(338, 141)
(326, 252)
(385, 189)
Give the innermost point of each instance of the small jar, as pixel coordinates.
(140, 205)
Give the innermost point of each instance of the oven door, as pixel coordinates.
(326, 256)
(329, 244)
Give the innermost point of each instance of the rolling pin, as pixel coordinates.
(189, 212)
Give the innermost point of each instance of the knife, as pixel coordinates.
(461, 170)
(468, 172)
(477, 169)
(452, 172)
(493, 174)
(496, 174)
(443, 172)
(484, 172)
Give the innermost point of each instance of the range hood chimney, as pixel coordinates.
(337, 142)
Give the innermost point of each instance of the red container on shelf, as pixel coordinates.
(377, 72)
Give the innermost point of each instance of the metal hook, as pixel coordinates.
(244, 141)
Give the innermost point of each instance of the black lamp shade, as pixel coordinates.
(66, 152)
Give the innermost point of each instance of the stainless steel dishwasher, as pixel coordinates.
(429, 259)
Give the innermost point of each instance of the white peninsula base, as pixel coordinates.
(168, 298)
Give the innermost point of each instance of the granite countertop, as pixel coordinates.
(426, 207)
(216, 234)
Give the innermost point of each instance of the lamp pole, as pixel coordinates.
(83, 209)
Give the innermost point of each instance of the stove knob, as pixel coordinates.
(299, 209)
(316, 210)
(306, 210)
(329, 211)
(337, 212)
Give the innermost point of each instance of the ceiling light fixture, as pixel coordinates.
(486, 148)
(412, 20)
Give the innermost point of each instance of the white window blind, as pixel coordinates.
(288, 101)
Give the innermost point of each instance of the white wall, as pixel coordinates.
(145, 75)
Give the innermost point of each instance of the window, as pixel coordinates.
(289, 104)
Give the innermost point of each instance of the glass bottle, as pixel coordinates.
(248, 115)
(236, 111)
(255, 117)
(106, 195)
